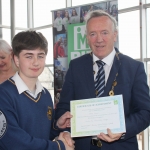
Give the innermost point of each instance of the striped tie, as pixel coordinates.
(100, 79)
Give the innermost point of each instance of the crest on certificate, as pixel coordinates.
(49, 113)
(3, 124)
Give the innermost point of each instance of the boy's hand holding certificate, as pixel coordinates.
(93, 116)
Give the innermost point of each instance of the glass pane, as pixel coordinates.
(48, 35)
(17, 31)
(148, 1)
(129, 34)
(21, 13)
(47, 80)
(6, 12)
(83, 2)
(139, 138)
(42, 10)
(148, 33)
(127, 3)
(121, 3)
(6, 35)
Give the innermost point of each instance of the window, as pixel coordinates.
(148, 33)
(6, 35)
(42, 10)
(148, 1)
(48, 35)
(121, 3)
(47, 79)
(17, 31)
(6, 12)
(127, 3)
(129, 34)
(76, 2)
(21, 13)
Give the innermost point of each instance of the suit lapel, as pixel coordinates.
(88, 69)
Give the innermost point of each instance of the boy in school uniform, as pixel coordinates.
(26, 108)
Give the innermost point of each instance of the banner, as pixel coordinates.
(69, 37)
(77, 42)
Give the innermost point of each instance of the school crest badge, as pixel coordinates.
(3, 124)
(49, 113)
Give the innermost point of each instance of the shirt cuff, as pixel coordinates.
(122, 136)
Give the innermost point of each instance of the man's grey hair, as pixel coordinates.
(100, 13)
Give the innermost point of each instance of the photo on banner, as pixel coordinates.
(69, 39)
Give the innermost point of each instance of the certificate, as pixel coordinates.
(93, 116)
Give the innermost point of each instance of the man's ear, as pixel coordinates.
(16, 60)
(115, 36)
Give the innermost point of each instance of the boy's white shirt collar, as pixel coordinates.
(21, 86)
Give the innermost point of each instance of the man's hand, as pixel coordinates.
(65, 137)
(64, 120)
(109, 137)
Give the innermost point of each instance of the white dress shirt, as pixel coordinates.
(108, 60)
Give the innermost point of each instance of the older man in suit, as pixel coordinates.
(123, 75)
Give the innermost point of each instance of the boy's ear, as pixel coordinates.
(16, 60)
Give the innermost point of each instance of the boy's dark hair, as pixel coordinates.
(29, 40)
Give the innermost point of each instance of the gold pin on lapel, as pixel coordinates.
(114, 83)
(111, 93)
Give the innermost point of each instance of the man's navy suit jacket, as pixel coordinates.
(131, 83)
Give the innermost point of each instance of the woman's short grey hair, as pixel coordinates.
(100, 13)
(5, 47)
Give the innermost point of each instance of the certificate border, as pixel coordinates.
(118, 99)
